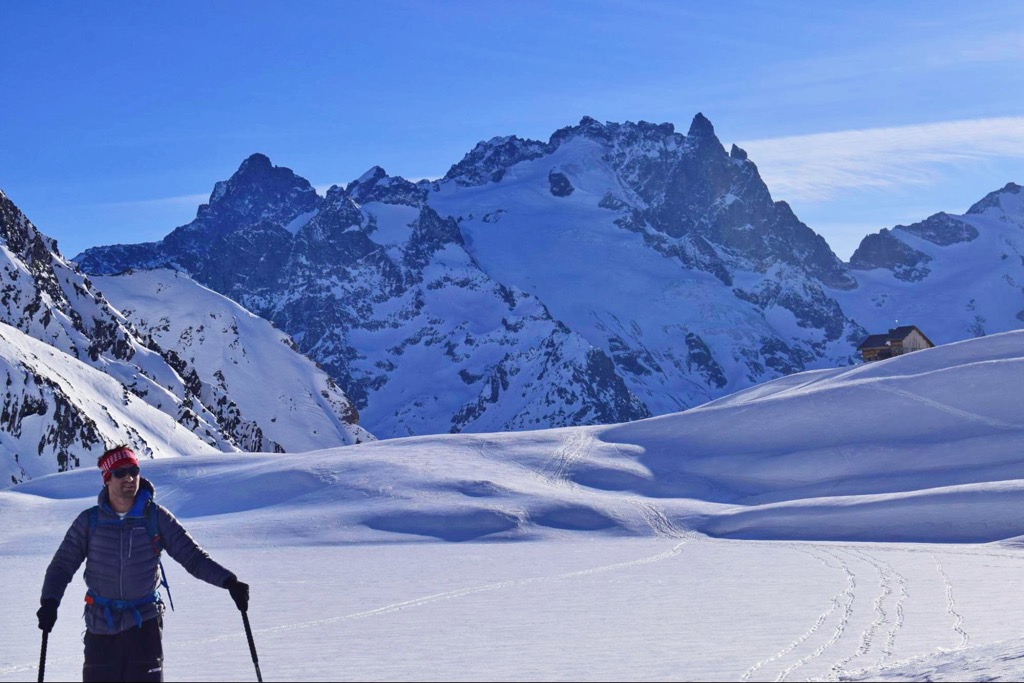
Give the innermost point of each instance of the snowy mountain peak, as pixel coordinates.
(254, 212)
(253, 166)
(488, 161)
(260, 190)
(967, 271)
(49, 425)
(45, 297)
(377, 186)
(540, 261)
(616, 135)
(1007, 199)
(374, 174)
(20, 236)
(339, 208)
(593, 128)
(272, 398)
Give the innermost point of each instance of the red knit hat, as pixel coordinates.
(119, 456)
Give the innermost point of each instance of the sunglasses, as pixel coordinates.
(122, 472)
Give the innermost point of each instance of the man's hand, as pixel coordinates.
(239, 593)
(47, 614)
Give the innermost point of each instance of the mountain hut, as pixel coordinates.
(895, 342)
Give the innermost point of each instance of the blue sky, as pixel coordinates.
(118, 117)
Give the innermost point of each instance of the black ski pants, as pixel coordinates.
(133, 655)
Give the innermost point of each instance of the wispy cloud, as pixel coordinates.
(994, 47)
(820, 166)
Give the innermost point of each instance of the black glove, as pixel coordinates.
(239, 593)
(47, 614)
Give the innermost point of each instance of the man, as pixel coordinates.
(120, 541)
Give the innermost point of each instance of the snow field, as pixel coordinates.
(583, 609)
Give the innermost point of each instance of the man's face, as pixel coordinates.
(123, 489)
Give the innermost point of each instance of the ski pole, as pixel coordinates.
(252, 646)
(42, 657)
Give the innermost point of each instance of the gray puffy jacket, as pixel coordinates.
(121, 561)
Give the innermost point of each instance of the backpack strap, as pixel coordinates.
(153, 528)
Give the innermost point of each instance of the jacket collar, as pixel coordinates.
(146, 493)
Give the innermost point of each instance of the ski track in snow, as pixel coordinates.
(958, 619)
(887, 608)
(956, 412)
(887, 576)
(50, 662)
(848, 597)
(659, 521)
(461, 592)
(489, 449)
(835, 604)
(573, 450)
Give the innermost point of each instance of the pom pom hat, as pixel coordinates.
(119, 456)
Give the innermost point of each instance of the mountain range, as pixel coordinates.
(613, 272)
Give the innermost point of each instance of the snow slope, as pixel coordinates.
(613, 564)
(269, 396)
(922, 447)
(88, 411)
